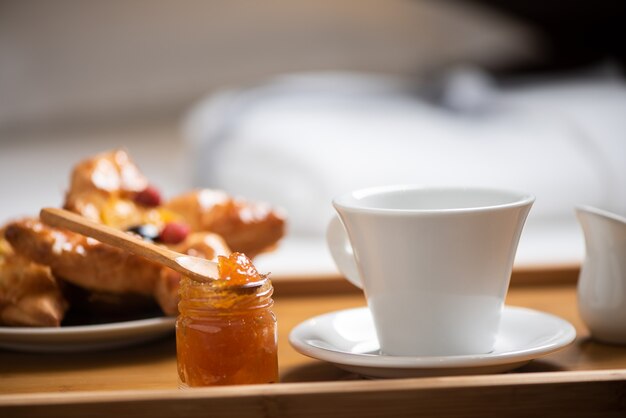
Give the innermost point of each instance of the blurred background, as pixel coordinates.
(296, 101)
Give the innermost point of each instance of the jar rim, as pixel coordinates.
(203, 297)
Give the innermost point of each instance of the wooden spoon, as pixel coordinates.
(195, 267)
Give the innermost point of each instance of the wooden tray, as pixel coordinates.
(585, 379)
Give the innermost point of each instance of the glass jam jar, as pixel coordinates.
(226, 331)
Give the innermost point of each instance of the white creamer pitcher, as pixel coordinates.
(602, 281)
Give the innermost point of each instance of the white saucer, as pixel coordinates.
(85, 337)
(347, 338)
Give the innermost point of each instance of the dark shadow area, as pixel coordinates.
(574, 34)
(538, 366)
(91, 308)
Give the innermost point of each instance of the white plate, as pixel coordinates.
(85, 337)
(347, 338)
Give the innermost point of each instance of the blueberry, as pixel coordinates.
(147, 231)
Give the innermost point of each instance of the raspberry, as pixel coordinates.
(174, 233)
(150, 196)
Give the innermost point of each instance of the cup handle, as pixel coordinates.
(341, 250)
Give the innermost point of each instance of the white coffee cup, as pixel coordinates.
(434, 263)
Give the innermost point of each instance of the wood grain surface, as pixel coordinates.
(585, 379)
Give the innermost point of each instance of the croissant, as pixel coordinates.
(247, 227)
(29, 293)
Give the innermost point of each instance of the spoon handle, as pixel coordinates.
(65, 219)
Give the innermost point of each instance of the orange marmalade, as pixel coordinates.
(226, 330)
